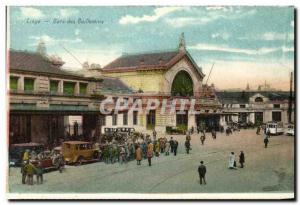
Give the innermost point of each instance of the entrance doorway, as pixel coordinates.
(208, 122)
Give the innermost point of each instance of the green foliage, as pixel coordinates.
(150, 126)
(182, 128)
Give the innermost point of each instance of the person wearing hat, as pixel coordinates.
(138, 155)
(26, 155)
(242, 159)
(202, 172)
(30, 170)
(149, 152)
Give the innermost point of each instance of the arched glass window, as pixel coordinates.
(182, 84)
(259, 99)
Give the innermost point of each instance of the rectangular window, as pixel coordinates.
(53, 86)
(69, 88)
(28, 84)
(151, 119)
(242, 106)
(82, 88)
(114, 119)
(276, 116)
(13, 83)
(125, 118)
(276, 105)
(182, 119)
(135, 117)
(103, 120)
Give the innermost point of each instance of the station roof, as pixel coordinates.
(236, 97)
(34, 62)
(149, 60)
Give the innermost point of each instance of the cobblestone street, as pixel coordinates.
(266, 170)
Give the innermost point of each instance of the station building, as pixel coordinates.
(45, 100)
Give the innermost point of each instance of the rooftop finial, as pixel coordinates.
(182, 42)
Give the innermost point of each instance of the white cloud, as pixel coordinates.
(225, 48)
(29, 12)
(223, 8)
(223, 35)
(158, 13)
(68, 12)
(287, 49)
(77, 31)
(270, 36)
(209, 16)
(53, 41)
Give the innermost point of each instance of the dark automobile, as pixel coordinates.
(16, 152)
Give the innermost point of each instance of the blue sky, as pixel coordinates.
(247, 44)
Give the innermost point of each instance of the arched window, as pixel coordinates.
(259, 99)
(182, 84)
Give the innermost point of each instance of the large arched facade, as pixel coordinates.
(182, 84)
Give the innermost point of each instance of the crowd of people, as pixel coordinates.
(32, 165)
(137, 147)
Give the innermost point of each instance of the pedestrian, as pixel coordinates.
(258, 130)
(138, 155)
(39, 173)
(202, 172)
(175, 147)
(192, 130)
(167, 148)
(202, 138)
(242, 159)
(157, 148)
(266, 141)
(23, 171)
(26, 155)
(123, 155)
(187, 146)
(61, 163)
(162, 145)
(30, 170)
(213, 134)
(188, 136)
(149, 152)
(172, 144)
(231, 161)
(154, 133)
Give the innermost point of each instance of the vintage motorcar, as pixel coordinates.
(78, 152)
(16, 152)
(290, 130)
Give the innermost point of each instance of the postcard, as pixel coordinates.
(151, 102)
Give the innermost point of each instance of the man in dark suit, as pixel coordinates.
(175, 147)
(202, 172)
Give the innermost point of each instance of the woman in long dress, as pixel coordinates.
(231, 161)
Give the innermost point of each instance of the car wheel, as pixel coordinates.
(96, 155)
(79, 160)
